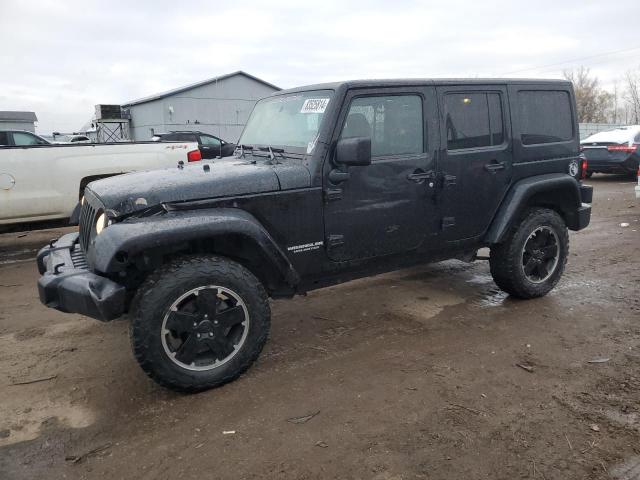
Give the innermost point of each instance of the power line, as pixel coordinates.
(571, 61)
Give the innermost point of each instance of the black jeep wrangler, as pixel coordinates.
(328, 183)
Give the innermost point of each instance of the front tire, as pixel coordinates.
(199, 322)
(531, 259)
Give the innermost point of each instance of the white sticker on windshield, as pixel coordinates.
(314, 105)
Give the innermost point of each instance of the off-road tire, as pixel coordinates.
(506, 260)
(168, 283)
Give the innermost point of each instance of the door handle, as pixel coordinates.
(420, 175)
(494, 167)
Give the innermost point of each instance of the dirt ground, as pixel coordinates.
(405, 375)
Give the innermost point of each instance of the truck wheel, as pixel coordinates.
(199, 322)
(531, 259)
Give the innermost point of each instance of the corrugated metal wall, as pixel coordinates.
(220, 108)
(28, 126)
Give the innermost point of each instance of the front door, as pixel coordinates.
(210, 147)
(386, 207)
(476, 166)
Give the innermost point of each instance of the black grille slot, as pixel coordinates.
(78, 258)
(87, 217)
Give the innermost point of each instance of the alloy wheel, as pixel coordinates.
(205, 328)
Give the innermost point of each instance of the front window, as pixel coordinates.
(393, 123)
(291, 120)
(207, 140)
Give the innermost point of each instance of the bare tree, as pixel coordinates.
(594, 104)
(632, 95)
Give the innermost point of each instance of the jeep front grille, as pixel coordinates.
(87, 219)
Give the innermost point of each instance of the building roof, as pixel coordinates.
(168, 93)
(18, 116)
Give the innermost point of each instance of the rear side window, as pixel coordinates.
(473, 120)
(394, 124)
(545, 116)
(187, 137)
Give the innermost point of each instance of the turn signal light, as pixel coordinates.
(583, 168)
(194, 156)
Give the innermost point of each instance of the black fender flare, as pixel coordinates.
(556, 190)
(134, 236)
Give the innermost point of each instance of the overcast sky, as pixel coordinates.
(60, 58)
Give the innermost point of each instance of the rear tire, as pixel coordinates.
(199, 322)
(530, 260)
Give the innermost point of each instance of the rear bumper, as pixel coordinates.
(581, 217)
(67, 284)
(628, 165)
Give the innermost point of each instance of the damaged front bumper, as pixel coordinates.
(68, 285)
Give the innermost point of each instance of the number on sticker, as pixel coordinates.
(314, 105)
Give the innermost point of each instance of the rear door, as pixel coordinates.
(476, 166)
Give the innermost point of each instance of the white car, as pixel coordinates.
(613, 151)
(42, 181)
(71, 139)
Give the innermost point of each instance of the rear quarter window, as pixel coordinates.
(544, 116)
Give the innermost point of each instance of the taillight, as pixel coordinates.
(194, 156)
(583, 168)
(622, 148)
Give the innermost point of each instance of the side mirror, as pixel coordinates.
(354, 151)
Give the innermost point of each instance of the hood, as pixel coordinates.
(133, 192)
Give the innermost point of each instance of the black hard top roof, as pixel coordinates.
(412, 82)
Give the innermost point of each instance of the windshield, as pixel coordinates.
(287, 120)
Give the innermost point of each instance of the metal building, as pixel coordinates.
(18, 121)
(219, 106)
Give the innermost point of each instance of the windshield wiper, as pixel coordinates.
(272, 151)
(242, 148)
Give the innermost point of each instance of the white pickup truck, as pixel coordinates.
(40, 182)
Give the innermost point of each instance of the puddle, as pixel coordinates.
(480, 279)
(492, 299)
(426, 305)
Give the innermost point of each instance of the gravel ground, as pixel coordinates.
(412, 374)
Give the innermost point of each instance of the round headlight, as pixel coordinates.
(101, 223)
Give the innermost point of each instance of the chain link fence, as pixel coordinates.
(587, 129)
